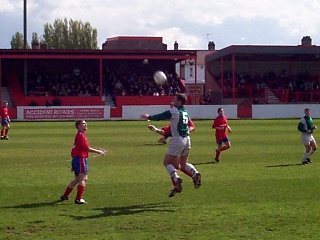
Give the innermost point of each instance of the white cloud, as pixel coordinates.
(185, 21)
(9, 6)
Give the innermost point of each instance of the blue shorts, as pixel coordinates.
(219, 142)
(79, 165)
(5, 121)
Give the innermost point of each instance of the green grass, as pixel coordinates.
(258, 191)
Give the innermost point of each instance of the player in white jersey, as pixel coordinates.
(306, 128)
(180, 144)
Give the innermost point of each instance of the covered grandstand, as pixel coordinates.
(246, 74)
(32, 76)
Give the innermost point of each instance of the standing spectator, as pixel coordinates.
(201, 100)
(306, 128)
(208, 100)
(220, 124)
(5, 121)
(79, 153)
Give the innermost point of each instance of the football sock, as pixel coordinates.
(310, 152)
(6, 132)
(173, 182)
(223, 148)
(217, 154)
(190, 170)
(172, 172)
(80, 192)
(67, 192)
(185, 171)
(2, 133)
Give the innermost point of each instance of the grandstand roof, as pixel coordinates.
(177, 55)
(266, 53)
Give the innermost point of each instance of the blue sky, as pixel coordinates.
(191, 23)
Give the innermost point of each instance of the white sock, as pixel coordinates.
(191, 169)
(310, 152)
(172, 172)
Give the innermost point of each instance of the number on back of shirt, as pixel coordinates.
(185, 118)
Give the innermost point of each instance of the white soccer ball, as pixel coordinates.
(159, 77)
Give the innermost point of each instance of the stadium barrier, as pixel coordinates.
(261, 111)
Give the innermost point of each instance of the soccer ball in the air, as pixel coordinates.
(159, 77)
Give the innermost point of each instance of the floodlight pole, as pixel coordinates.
(25, 69)
(24, 24)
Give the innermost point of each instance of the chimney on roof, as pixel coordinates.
(176, 46)
(306, 41)
(211, 46)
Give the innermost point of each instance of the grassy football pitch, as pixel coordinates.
(259, 190)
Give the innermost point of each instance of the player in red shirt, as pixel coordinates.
(79, 153)
(5, 121)
(166, 132)
(220, 124)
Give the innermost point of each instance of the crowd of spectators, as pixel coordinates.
(81, 83)
(63, 84)
(133, 84)
(247, 85)
(113, 84)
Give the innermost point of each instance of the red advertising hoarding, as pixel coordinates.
(63, 113)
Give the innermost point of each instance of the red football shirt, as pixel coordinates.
(191, 124)
(4, 112)
(222, 123)
(80, 147)
(167, 129)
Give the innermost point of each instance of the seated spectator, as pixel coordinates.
(48, 104)
(33, 103)
(123, 93)
(56, 102)
(208, 100)
(201, 100)
(155, 93)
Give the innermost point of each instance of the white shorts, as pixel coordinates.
(179, 146)
(307, 138)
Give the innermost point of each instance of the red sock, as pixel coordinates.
(217, 154)
(2, 132)
(173, 182)
(224, 148)
(6, 132)
(67, 192)
(186, 172)
(80, 192)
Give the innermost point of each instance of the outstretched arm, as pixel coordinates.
(144, 116)
(100, 152)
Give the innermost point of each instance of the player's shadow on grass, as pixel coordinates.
(203, 163)
(286, 165)
(155, 144)
(129, 210)
(35, 205)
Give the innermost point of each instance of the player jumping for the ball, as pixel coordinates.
(180, 144)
